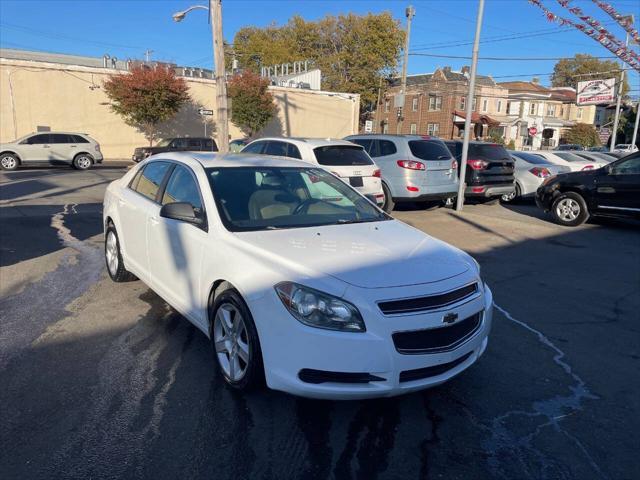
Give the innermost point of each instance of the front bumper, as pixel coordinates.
(290, 348)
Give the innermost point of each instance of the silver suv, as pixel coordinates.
(414, 168)
(78, 150)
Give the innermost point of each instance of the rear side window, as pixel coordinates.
(293, 152)
(341, 155)
(79, 139)
(179, 143)
(276, 148)
(194, 144)
(60, 138)
(210, 145)
(254, 148)
(488, 152)
(150, 180)
(530, 158)
(386, 147)
(428, 150)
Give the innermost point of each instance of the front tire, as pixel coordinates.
(513, 196)
(113, 257)
(570, 209)
(388, 199)
(9, 161)
(235, 341)
(82, 161)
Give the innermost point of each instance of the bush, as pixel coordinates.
(582, 134)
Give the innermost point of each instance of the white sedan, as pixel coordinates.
(296, 278)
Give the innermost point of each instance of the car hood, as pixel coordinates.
(369, 255)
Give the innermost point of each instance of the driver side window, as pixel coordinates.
(628, 166)
(182, 187)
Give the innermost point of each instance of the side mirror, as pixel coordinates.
(181, 211)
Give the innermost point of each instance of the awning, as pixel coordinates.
(460, 116)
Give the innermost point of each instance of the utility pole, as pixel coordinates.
(147, 55)
(635, 127)
(215, 13)
(469, 105)
(619, 100)
(409, 13)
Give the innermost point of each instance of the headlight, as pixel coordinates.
(320, 310)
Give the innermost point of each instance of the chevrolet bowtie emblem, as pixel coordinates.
(450, 318)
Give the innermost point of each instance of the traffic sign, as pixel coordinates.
(533, 130)
(368, 126)
(202, 111)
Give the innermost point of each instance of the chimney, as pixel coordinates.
(465, 70)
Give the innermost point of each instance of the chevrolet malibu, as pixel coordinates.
(297, 279)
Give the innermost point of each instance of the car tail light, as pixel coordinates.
(477, 189)
(587, 167)
(413, 189)
(377, 173)
(478, 164)
(540, 172)
(454, 165)
(411, 164)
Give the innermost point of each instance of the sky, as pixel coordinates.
(127, 28)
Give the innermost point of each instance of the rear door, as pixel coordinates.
(440, 165)
(62, 147)
(618, 188)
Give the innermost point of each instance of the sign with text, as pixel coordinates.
(368, 126)
(593, 92)
(202, 111)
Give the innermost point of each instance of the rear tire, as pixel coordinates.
(389, 204)
(8, 161)
(512, 197)
(570, 209)
(235, 342)
(82, 161)
(113, 257)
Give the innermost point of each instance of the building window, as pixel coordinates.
(561, 110)
(385, 128)
(386, 106)
(414, 129)
(551, 110)
(485, 104)
(414, 104)
(474, 104)
(463, 102)
(579, 113)
(498, 105)
(508, 108)
(435, 103)
(433, 129)
(532, 109)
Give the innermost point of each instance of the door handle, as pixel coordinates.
(606, 190)
(154, 220)
(72, 146)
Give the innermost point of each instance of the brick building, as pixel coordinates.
(435, 105)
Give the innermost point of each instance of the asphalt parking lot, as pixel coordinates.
(104, 380)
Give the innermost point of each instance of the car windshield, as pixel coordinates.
(569, 157)
(164, 142)
(342, 155)
(530, 158)
(270, 198)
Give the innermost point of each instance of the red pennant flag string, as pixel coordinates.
(622, 20)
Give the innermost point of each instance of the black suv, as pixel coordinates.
(185, 144)
(489, 171)
(613, 190)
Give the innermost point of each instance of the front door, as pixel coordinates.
(619, 189)
(176, 249)
(36, 148)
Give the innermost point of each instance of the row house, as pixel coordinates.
(435, 104)
(537, 117)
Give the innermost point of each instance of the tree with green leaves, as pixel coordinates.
(569, 71)
(353, 51)
(582, 134)
(252, 105)
(495, 135)
(145, 97)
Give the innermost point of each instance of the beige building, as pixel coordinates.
(64, 92)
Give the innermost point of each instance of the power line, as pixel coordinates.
(418, 54)
(501, 38)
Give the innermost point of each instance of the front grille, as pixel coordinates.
(440, 339)
(419, 304)
(309, 375)
(421, 373)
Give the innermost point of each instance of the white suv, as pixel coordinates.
(78, 150)
(344, 159)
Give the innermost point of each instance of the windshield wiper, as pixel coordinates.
(343, 221)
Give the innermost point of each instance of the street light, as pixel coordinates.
(215, 18)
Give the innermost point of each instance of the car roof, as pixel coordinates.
(312, 142)
(58, 131)
(212, 159)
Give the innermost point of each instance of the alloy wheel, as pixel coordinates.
(83, 162)
(568, 209)
(507, 197)
(8, 162)
(111, 252)
(231, 341)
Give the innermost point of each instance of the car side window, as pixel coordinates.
(79, 139)
(179, 143)
(39, 139)
(276, 148)
(194, 144)
(208, 145)
(182, 187)
(386, 148)
(254, 148)
(293, 152)
(364, 142)
(628, 166)
(60, 138)
(151, 178)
